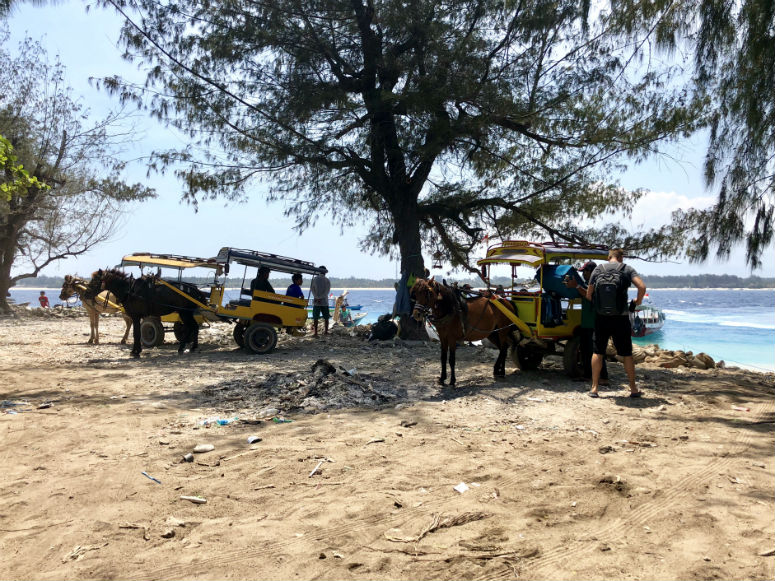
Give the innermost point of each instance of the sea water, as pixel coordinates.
(736, 325)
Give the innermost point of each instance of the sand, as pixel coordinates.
(361, 483)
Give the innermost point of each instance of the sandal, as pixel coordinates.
(593, 394)
(637, 394)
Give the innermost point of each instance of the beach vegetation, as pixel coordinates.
(62, 188)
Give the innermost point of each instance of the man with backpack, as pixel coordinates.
(608, 292)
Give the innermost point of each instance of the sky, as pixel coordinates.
(86, 43)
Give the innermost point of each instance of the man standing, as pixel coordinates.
(608, 292)
(320, 287)
(587, 330)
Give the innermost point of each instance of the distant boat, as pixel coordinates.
(646, 319)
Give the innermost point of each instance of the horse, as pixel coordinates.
(145, 297)
(95, 301)
(457, 318)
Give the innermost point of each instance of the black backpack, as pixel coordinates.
(611, 291)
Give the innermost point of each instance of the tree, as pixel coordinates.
(7, 6)
(435, 122)
(62, 191)
(733, 44)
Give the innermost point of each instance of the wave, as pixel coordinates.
(711, 319)
(750, 325)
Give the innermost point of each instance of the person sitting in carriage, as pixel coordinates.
(261, 282)
(294, 289)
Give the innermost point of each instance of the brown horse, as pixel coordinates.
(457, 318)
(95, 301)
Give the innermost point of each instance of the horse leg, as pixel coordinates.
(190, 331)
(499, 370)
(137, 347)
(452, 350)
(128, 323)
(195, 332)
(92, 324)
(444, 347)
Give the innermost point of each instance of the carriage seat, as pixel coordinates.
(242, 302)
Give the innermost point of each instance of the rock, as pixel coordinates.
(168, 534)
(188, 458)
(606, 449)
(175, 522)
(672, 363)
(268, 412)
(707, 360)
(202, 448)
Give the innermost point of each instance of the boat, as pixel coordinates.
(353, 320)
(646, 319)
(332, 304)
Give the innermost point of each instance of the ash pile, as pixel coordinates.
(324, 387)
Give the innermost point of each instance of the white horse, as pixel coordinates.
(95, 301)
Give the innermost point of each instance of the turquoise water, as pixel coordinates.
(737, 326)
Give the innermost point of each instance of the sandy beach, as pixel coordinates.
(343, 459)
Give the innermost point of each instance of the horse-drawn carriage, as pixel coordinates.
(546, 312)
(256, 314)
(533, 316)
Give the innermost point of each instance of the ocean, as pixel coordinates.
(736, 325)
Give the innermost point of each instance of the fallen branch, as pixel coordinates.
(440, 523)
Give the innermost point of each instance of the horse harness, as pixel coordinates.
(89, 294)
(459, 298)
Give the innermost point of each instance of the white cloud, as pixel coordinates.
(655, 208)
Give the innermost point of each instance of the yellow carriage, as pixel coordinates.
(256, 314)
(548, 313)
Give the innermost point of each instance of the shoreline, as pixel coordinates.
(372, 288)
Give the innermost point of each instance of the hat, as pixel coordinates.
(323, 269)
(588, 266)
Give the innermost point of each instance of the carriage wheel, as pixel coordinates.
(239, 334)
(261, 338)
(571, 357)
(528, 359)
(151, 332)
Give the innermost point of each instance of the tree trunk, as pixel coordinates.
(407, 234)
(6, 261)
(5, 284)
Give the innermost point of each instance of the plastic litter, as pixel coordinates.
(194, 499)
(253, 439)
(218, 421)
(740, 409)
(156, 480)
(277, 420)
(461, 488)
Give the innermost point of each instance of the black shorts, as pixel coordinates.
(317, 312)
(616, 327)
